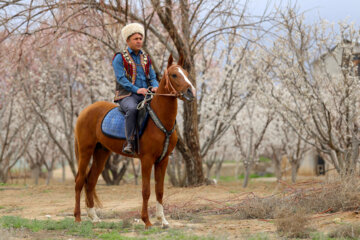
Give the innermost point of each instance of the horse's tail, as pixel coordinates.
(96, 199)
(76, 149)
(95, 196)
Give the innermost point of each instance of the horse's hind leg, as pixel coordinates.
(160, 171)
(84, 155)
(100, 156)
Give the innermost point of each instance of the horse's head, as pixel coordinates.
(177, 80)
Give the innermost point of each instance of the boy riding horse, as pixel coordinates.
(134, 74)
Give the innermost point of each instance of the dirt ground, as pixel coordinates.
(56, 201)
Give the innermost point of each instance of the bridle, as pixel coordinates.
(168, 86)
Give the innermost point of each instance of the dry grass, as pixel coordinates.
(293, 225)
(322, 198)
(257, 208)
(348, 231)
(193, 214)
(310, 197)
(290, 208)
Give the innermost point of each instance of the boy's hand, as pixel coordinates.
(142, 91)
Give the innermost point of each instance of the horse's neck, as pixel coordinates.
(165, 107)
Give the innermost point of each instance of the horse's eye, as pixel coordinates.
(174, 75)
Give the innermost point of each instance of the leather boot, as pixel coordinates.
(128, 149)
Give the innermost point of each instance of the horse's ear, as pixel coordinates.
(181, 60)
(170, 61)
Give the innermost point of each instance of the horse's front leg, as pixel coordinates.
(146, 166)
(160, 171)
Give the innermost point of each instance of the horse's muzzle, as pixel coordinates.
(188, 95)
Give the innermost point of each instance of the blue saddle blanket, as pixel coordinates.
(113, 124)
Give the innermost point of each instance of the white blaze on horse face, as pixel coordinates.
(188, 81)
(92, 215)
(160, 215)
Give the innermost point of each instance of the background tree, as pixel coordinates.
(315, 87)
(50, 84)
(281, 142)
(16, 128)
(176, 170)
(295, 149)
(35, 154)
(249, 133)
(114, 172)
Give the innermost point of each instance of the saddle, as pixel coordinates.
(113, 124)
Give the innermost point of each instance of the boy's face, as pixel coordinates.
(135, 42)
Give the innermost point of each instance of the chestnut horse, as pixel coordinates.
(90, 141)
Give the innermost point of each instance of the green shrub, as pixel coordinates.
(264, 159)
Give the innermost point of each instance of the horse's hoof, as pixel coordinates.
(92, 215)
(148, 227)
(165, 226)
(78, 219)
(96, 220)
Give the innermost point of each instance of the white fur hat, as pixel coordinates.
(132, 28)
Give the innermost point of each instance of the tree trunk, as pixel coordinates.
(136, 171)
(208, 171)
(190, 147)
(209, 166)
(180, 170)
(246, 176)
(294, 170)
(35, 170)
(50, 169)
(191, 133)
(277, 166)
(171, 171)
(111, 173)
(49, 176)
(237, 169)
(63, 170)
(73, 168)
(122, 172)
(217, 170)
(3, 175)
(72, 160)
(175, 170)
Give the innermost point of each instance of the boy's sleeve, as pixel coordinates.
(153, 79)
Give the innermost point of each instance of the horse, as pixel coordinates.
(90, 141)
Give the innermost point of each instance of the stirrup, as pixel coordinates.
(128, 149)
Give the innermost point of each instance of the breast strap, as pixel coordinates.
(168, 134)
